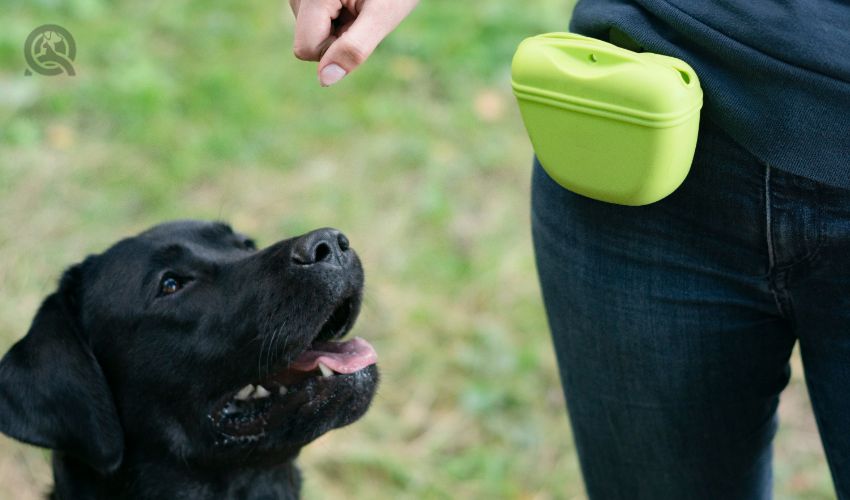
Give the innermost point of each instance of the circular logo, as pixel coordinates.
(50, 50)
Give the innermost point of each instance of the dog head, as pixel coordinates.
(189, 341)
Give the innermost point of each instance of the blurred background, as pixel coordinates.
(195, 109)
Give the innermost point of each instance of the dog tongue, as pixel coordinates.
(341, 357)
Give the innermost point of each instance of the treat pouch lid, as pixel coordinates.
(597, 77)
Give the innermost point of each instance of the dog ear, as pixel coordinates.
(52, 390)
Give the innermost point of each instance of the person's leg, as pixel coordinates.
(671, 349)
(811, 277)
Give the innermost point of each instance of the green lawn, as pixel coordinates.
(198, 109)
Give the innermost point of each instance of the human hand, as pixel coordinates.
(341, 34)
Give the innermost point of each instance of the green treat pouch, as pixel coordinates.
(605, 122)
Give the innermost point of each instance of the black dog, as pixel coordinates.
(185, 363)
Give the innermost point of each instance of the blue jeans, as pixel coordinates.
(673, 324)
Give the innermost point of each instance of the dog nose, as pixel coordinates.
(321, 245)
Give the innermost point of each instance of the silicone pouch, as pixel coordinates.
(605, 122)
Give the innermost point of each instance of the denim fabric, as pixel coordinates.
(673, 324)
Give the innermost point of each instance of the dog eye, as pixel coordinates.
(250, 244)
(170, 284)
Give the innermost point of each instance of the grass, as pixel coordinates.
(184, 109)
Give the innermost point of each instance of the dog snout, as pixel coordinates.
(325, 245)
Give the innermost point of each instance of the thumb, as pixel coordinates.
(347, 53)
(356, 44)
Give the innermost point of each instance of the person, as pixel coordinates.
(673, 323)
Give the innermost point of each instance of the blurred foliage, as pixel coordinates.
(195, 109)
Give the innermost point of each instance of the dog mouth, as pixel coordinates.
(339, 322)
(323, 369)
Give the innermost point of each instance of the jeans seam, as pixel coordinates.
(771, 255)
(813, 252)
(777, 274)
(771, 258)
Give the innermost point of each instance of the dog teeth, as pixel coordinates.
(261, 392)
(326, 372)
(282, 390)
(244, 393)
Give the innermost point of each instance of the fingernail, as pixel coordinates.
(331, 74)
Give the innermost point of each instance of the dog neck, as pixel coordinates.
(158, 478)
